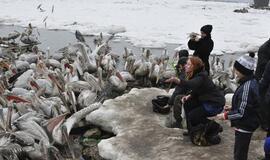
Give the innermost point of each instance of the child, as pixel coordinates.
(242, 115)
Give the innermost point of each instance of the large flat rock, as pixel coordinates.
(142, 134)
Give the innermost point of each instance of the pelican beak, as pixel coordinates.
(53, 122)
(16, 99)
(53, 79)
(119, 76)
(67, 65)
(34, 84)
(66, 136)
(158, 77)
(8, 121)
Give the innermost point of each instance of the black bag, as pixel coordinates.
(160, 104)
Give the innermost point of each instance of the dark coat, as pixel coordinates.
(202, 49)
(264, 92)
(245, 102)
(178, 89)
(203, 89)
(263, 58)
(264, 85)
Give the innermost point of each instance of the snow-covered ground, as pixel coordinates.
(146, 22)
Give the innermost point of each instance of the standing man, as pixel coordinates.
(203, 46)
(263, 58)
(264, 92)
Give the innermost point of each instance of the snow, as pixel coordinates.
(149, 23)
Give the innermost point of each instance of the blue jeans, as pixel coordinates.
(211, 109)
(199, 114)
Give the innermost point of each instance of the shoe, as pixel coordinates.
(177, 125)
(220, 129)
(214, 140)
(185, 133)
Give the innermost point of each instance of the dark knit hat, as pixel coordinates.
(245, 65)
(183, 53)
(182, 61)
(207, 29)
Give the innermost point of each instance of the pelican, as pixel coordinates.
(141, 68)
(51, 62)
(29, 39)
(22, 80)
(130, 60)
(127, 76)
(22, 66)
(86, 98)
(96, 84)
(79, 36)
(88, 63)
(155, 71)
(118, 83)
(12, 36)
(57, 132)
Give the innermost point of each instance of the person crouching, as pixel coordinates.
(204, 100)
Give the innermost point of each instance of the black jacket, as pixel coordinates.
(203, 89)
(263, 58)
(244, 105)
(264, 85)
(202, 49)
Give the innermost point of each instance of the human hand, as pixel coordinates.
(185, 98)
(173, 80)
(227, 108)
(193, 35)
(220, 116)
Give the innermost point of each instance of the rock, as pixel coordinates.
(92, 133)
(91, 153)
(243, 10)
(141, 133)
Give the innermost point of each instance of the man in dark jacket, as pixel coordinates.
(264, 84)
(202, 47)
(179, 90)
(264, 91)
(243, 115)
(263, 58)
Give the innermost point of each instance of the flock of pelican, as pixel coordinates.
(43, 95)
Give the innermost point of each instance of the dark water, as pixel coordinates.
(56, 39)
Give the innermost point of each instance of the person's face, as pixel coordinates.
(189, 66)
(238, 75)
(203, 34)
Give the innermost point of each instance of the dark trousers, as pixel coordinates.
(267, 157)
(178, 91)
(198, 116)
(207, 66)
(177, 109)
(189, 106)
(241, 145)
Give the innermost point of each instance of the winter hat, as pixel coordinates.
(267, 145)
(182, 61)
(207, 29)
(183, 53)
(245, 65)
